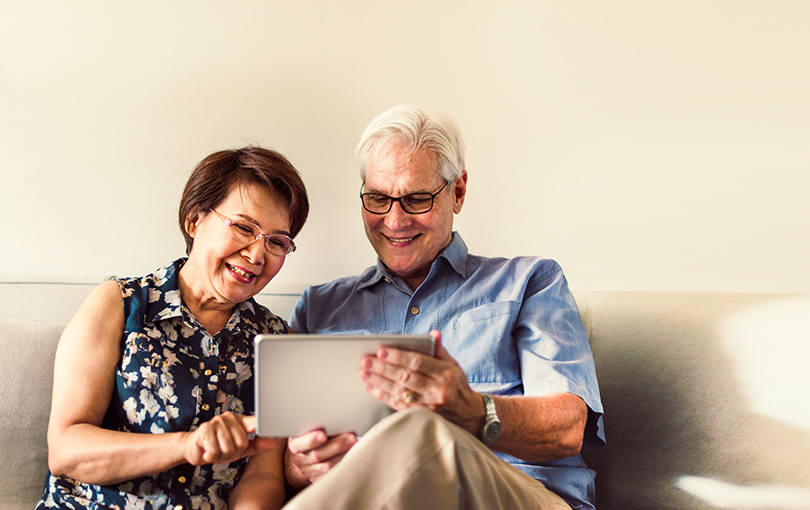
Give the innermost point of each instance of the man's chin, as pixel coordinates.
(403, 269)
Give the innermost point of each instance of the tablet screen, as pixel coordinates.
(308, 382)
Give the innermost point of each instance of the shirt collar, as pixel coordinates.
(164, 293)
(455, 254)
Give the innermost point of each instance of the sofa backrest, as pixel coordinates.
(57, 302)
(27, 350)
(705, 395)
(707, 400)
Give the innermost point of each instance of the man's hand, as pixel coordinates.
(223, 439)
(312, 455)
(403, 379)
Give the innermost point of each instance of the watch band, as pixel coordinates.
(492, 425)
(489, 404)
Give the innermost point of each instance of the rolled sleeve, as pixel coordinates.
(555, 355)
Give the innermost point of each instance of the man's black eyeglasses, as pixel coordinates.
(413, 203)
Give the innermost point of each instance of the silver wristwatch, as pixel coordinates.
(492, 425)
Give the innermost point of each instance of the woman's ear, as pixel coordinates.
(192, 220)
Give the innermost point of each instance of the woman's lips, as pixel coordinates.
(241, 274)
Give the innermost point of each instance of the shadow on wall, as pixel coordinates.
(706, 398)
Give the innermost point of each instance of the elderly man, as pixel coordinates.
(498, 418)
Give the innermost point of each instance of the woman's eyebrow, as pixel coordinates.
(253, 220)
(247, 217)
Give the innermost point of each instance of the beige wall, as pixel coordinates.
(645, 145)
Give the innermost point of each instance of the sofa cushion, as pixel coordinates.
(26, 363)
(706, 400)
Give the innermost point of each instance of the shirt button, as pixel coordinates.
(205, 407)
(414, 310)
(182, 479)
(207, 372)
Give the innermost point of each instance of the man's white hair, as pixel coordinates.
(414, 129)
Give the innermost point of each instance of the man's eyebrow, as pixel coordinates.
(378, 192)
(371, 189)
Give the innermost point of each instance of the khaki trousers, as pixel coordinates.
(414, 459)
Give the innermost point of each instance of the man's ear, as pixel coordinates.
(459, 191)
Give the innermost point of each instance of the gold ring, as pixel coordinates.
(408, 397)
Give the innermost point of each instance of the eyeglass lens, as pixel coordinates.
(415, 203)
(247, 233)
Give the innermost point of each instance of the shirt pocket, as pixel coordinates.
(481, 341)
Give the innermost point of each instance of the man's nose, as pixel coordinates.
(397, 218)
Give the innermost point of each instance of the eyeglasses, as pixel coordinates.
(245, 232)
(413, 203)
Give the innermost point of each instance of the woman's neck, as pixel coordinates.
(210, 312)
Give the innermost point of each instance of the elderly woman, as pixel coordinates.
(153, 378)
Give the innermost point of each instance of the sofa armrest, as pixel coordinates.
(27, 350)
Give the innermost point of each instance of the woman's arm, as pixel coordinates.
(84, 378)
(262, 484)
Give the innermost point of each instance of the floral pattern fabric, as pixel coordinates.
(173, 375)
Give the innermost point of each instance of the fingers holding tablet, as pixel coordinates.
(313, 454)
(402, 378)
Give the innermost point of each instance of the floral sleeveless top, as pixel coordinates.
(172, 376)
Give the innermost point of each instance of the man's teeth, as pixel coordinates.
(406, 240)
(240, 272)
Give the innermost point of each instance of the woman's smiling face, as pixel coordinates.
(224, 270)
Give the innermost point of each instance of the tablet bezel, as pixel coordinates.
(309, 382)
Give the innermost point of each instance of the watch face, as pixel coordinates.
(491, 431)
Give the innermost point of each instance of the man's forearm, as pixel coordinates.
(538, 429)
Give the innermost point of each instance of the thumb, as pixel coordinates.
(258, 444)
(439, 351)
(262, 444)
(249, 422)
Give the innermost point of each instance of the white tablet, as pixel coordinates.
(308, 382)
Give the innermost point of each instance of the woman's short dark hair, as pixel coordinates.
(217, 174)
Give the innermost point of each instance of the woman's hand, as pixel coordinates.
(224, 439)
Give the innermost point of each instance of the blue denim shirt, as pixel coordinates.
(512, 324)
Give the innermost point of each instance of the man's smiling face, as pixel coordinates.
(409, 243)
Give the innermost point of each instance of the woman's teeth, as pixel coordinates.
(240, 272)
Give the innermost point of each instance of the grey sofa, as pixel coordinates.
(707, 396)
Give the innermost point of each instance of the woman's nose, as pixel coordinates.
(256, 251)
